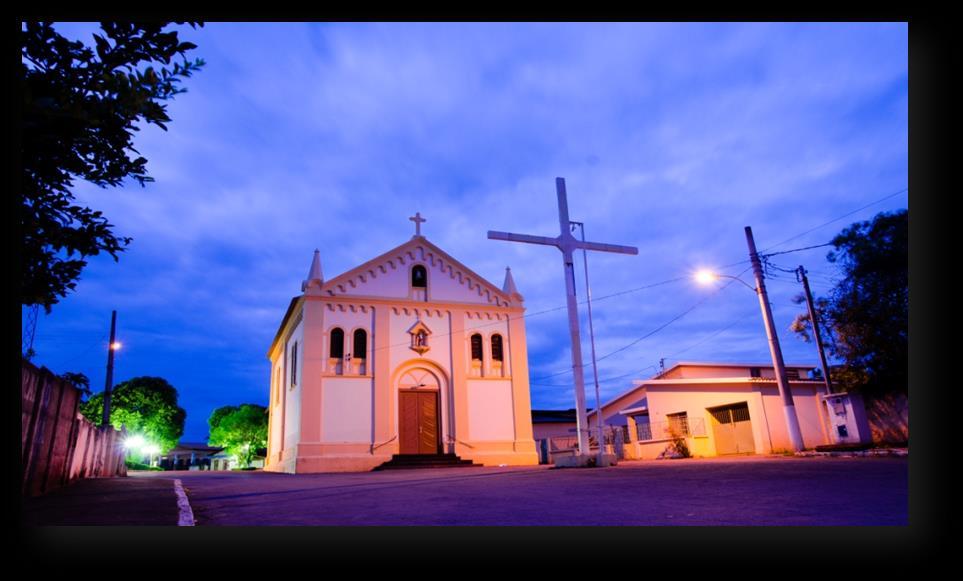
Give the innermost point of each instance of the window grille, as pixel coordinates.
(497, 347)
(476, 347)
(337, 343)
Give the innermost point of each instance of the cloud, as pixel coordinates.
(671, 136)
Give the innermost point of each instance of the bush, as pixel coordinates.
(679, 445)
(133, 465)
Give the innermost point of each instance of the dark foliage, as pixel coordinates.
(80, 110)
(867, 313)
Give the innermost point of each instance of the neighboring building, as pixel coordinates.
(409, 353)
(553, 423)
(730, 408)
(188, 456)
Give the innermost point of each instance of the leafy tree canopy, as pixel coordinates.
(866, 315)
(80, 109)
(241, 430)
(146, 406)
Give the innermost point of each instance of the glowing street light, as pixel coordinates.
(705, 276)
(135, 442)
(116, 345)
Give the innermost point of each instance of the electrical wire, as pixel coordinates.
(883, 199)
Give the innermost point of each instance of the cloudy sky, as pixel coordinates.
(671, 138)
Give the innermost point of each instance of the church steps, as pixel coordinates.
(421, 461)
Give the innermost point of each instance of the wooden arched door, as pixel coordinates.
(419, 430)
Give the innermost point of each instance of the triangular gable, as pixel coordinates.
(362, 280)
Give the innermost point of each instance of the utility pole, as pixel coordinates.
(595, 369)
(110, 370)
(792, 422)
(567, 243)
(801, 276)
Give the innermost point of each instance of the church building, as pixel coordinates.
(410, 353)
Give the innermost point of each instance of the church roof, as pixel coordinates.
(404, 252)
(284, 322)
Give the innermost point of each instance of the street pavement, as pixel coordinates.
(757, 490)
(105, 501)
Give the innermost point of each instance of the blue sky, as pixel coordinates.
(671, 137)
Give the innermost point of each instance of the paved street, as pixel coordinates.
(736, 491)
(105, 501)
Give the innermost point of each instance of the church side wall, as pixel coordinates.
(276, 401)
(292, 394)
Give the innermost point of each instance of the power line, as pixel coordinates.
(883, 199)
(654, 365)
(654, 331)
(795, 250)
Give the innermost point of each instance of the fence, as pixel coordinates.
(615, 437)
(59, 445)
(681, 426)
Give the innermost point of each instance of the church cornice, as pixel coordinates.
(371, 301)
(418, 249)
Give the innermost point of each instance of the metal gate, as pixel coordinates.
(732, 428)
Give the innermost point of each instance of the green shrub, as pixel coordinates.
(134, 465)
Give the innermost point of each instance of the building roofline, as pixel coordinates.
(736, 364)
(284, 322)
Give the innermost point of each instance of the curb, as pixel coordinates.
(898, 452)
(185, 516)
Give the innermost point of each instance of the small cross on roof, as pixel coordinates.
(417, 219)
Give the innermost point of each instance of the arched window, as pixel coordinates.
(497, 348)
(360, 344)
(419, 277)
(337, 343)
(476, 347)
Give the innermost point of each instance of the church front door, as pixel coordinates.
(419, 422)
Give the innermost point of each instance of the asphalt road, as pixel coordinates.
(706, 492)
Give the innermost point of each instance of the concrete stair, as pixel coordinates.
(422, 461)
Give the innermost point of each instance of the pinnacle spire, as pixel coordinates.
(509, 286)
(314, 274)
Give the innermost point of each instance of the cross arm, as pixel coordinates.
(495, 235)
(606, 247)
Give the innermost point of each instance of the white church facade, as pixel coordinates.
(410, 353)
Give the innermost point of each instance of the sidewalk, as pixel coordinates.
(105, 501)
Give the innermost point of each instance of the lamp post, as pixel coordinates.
(785, 393)
(113, 346)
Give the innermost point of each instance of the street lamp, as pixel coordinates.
(135, 442)
(785, 393)
(708, 277)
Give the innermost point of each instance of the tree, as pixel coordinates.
(79, 111)
(241, 430)
(867, 313)
(145, 406)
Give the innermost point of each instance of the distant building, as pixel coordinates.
(188, 456)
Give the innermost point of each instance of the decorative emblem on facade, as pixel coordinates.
(419, 337)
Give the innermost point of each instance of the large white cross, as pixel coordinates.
(567, 243)
(417, 219)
